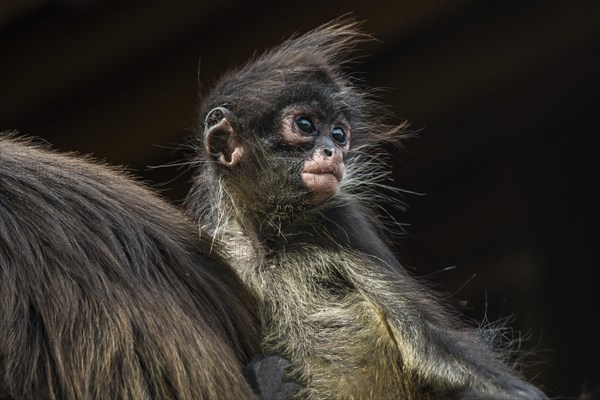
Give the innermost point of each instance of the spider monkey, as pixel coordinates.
(288, 148)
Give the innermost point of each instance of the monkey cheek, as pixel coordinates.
(320, 186)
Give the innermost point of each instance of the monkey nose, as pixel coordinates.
(327, 152)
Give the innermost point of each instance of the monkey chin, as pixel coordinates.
(321, 186)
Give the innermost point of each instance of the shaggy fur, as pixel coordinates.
(332, 297)
(106, 291)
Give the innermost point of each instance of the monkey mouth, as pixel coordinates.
(330, 169)
(322, 180)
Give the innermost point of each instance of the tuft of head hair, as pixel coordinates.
(252, 88)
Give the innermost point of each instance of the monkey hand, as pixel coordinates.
(266, 374)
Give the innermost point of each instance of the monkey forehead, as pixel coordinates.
(322, 102)
(323, 111)
(299, 70)
(260, 102)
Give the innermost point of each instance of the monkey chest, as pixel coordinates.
(339, 341)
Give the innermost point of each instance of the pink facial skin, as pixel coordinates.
(323, 172)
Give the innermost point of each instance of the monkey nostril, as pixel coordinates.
(328, 152)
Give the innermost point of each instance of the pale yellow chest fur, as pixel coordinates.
(339, 341)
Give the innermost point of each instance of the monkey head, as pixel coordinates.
(278, 135)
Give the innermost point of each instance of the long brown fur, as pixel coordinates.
(332, 297)
(106, 292)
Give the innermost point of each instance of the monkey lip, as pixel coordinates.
(322, 180)
(336, 171)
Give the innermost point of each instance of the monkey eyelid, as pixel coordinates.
(342, 122)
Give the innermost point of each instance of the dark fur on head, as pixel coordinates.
(106, 290)
(309, 68)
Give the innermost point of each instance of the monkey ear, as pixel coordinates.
(220, 139)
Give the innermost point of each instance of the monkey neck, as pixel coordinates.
(340, 224)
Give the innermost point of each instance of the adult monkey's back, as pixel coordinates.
(105, 292)
(289, 151)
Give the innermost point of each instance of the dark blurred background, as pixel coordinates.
(502, 92)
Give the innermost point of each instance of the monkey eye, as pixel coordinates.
(306, 125)
(339, 135)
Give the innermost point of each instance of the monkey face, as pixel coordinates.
(321, 142)
(308, 148)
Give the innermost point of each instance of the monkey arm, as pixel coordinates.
(434, 347)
